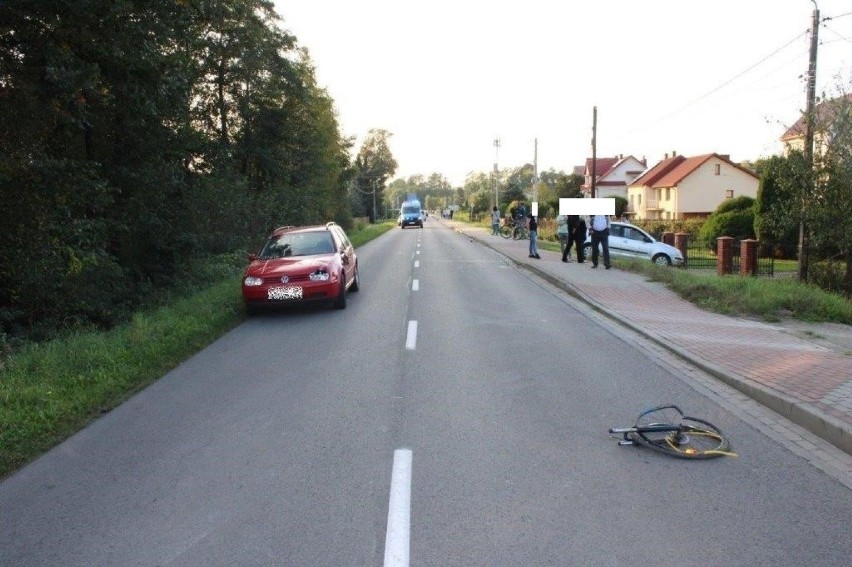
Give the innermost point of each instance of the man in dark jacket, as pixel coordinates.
(576, 236)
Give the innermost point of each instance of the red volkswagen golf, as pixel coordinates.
(300, 265)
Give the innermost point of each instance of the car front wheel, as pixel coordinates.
(340, 302)
(356, 280)
(662, 260)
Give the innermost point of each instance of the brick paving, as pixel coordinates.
(808, 383)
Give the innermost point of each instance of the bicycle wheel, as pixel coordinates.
(516, 233)
(506, 231)
(666, 430)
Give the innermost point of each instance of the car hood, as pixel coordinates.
(281, 266)
(667, 248)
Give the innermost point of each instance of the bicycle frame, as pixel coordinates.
(651, 428)
(678, 436)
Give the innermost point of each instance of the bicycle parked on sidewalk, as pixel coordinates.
(515, 229)
(666, 430)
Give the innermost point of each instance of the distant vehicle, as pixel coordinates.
(411, 214)
(631, 241)
(299, 265)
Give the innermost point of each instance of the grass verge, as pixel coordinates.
(766, 298)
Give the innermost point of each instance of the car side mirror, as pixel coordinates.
(252, 256)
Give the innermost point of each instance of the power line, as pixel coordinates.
(734, 78)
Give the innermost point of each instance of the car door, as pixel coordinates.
(637, 243)
(347, 252)
(617, 242)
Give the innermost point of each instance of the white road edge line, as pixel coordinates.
(415, 285)
(397, 538)
(411, 337)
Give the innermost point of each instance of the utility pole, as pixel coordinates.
(804, 240)
(496, 170)
(375, 212)
(535, 171)
(594, 148)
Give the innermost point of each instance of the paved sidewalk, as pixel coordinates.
(804, 378)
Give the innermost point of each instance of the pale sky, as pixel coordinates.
(447, 77)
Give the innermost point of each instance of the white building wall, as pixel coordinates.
(703, 190)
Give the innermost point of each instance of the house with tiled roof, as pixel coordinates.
(680, 187)
(612, 175)
(825, 115)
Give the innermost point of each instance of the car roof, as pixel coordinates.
(307, 228)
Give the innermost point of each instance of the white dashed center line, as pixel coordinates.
(397, 538)
(411, 337)
(415, 285)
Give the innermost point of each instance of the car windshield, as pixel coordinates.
(297, 244)
(411, 210)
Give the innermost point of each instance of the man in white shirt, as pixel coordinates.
(599, 225)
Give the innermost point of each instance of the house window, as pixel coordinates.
(718, 169)
(729, 193)
(668, 194)
(638, 199)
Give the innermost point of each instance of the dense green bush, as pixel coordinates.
(828, 275)
(121, 162)
(734, 218)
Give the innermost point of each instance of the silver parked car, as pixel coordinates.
(631, 241)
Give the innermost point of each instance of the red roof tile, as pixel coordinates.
(671, 171)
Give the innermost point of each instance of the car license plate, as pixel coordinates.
(284, 293)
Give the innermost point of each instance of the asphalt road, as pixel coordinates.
(277, 444)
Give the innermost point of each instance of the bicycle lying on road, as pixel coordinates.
(666, 430)
(514, 229)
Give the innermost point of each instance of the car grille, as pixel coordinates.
(293, 279)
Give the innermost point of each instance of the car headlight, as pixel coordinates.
(320, 276)
(252, 281)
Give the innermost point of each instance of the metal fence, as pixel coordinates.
(701, 255)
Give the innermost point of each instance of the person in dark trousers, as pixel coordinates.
(579, 236)
(600, 239)
(571, 225)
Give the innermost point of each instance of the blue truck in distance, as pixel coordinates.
(411, 214)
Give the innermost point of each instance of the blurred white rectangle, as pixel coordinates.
(580, 206)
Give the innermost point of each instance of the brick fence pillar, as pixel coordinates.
(724, 255)
(681, 242)
(748, 257)
(668, 238)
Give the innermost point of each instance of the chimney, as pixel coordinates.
(666, 156)
(674, 153)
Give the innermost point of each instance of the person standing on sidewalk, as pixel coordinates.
(576, 236)
(600, 238)
(533, 228)
(579, 236)
(563, 234)
(495, 222)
